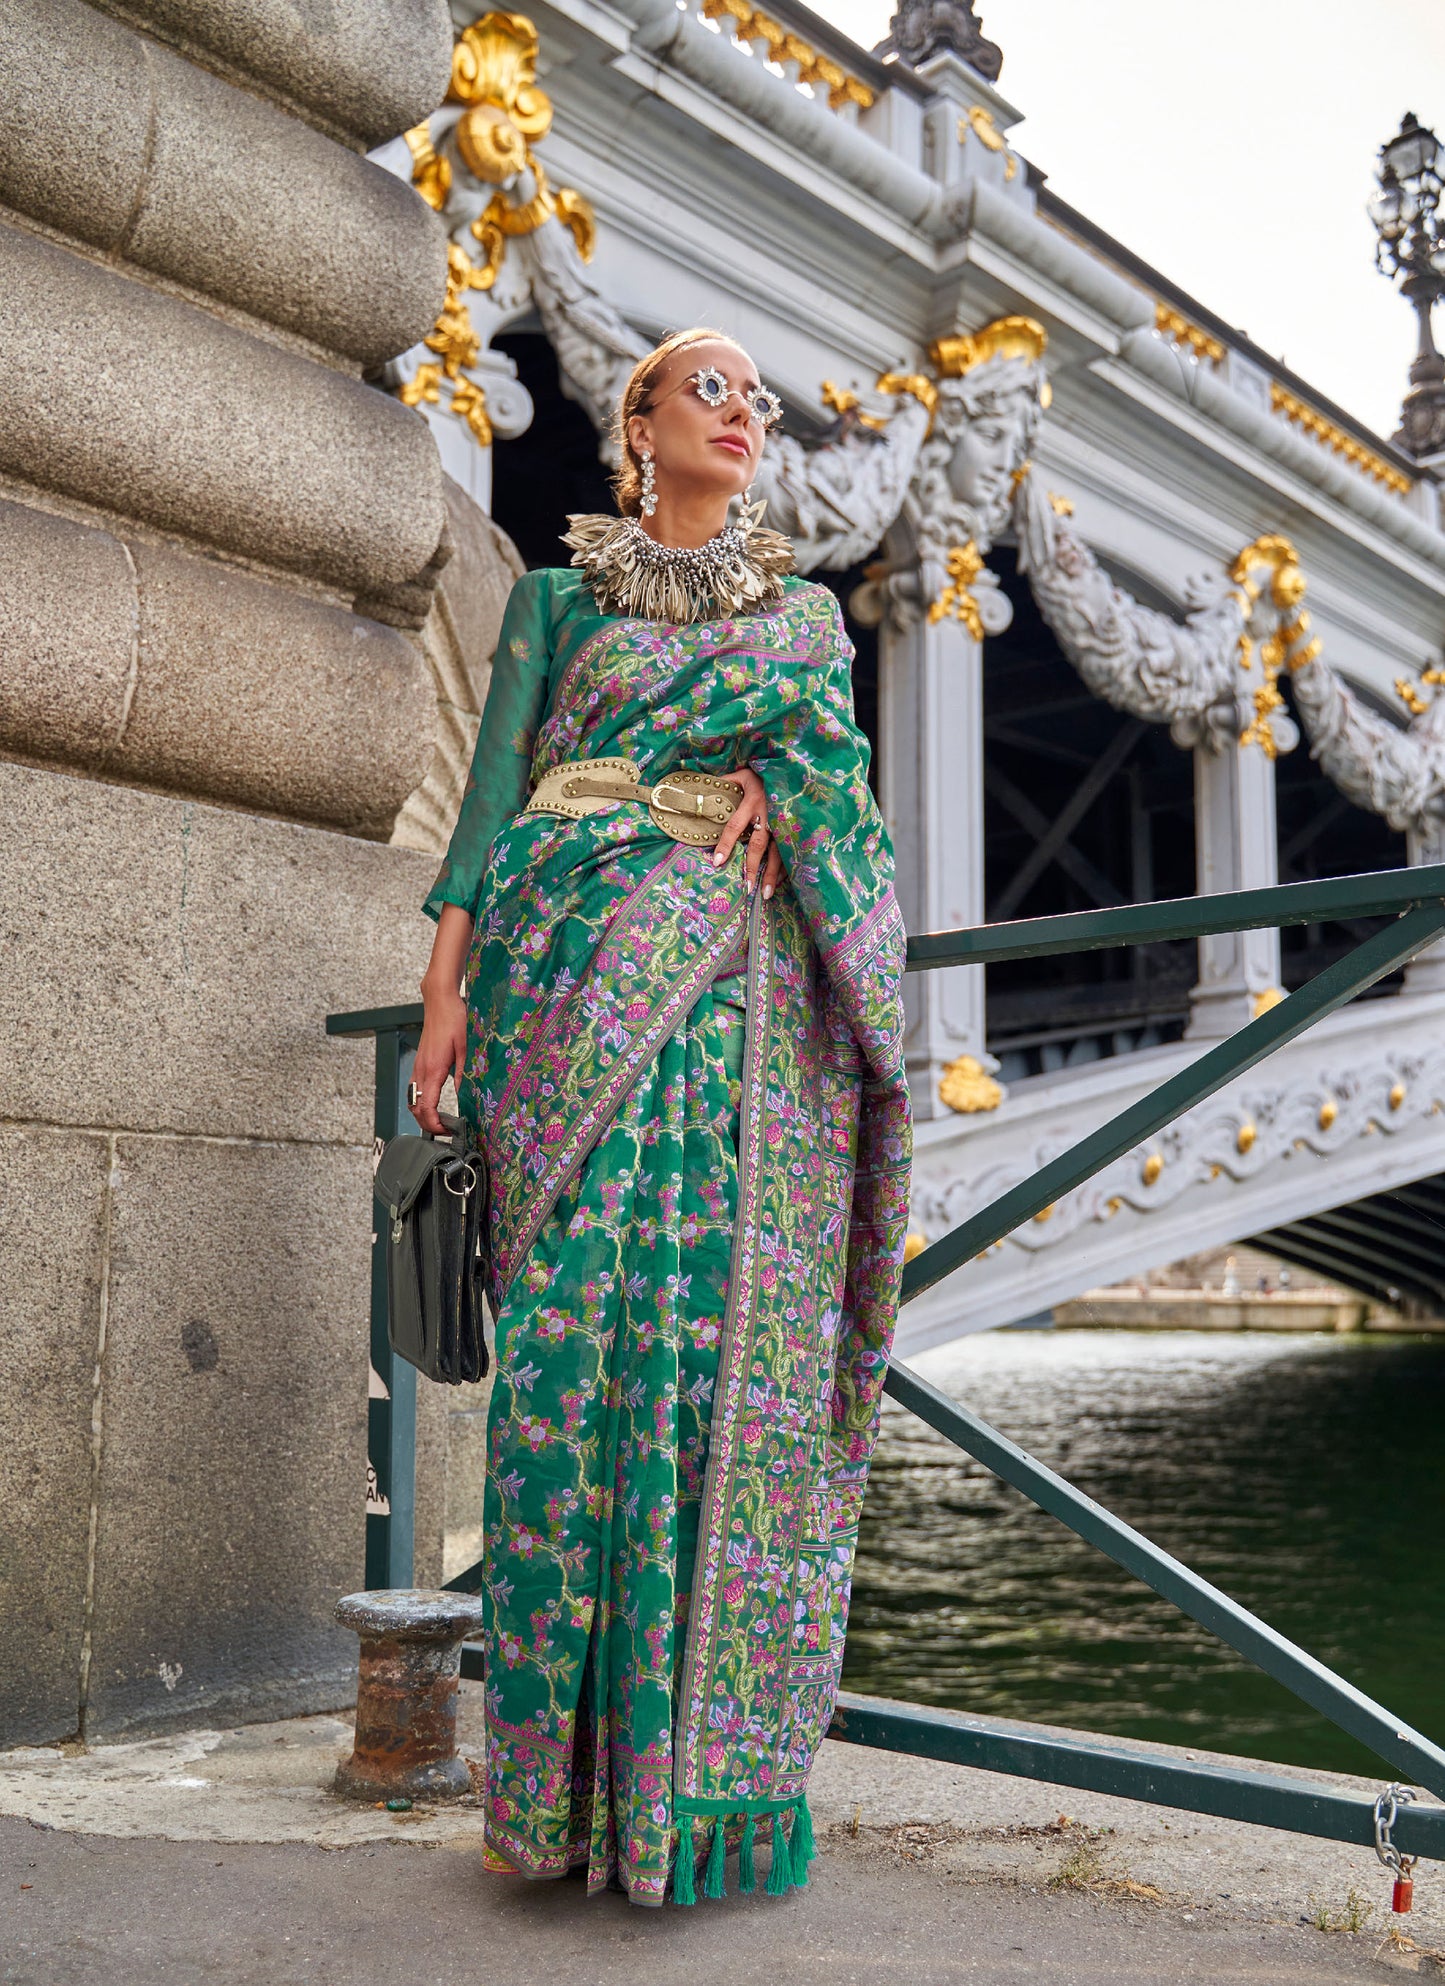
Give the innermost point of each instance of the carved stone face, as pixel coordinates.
(988, 417)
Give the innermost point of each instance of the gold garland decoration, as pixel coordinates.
(1290, 646)
(454, 339)
(816, 70)
(1174, 325)
(843, 400)
(1302, 415)
(964, 564)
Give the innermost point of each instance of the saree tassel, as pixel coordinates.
(714, 1882)
(780, 1875)
(683, 1872)
(747, 1867)
(803, 1846)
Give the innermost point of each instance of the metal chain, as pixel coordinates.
(1387, 1809)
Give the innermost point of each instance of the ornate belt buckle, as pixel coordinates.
(550, 796)
(694, 806)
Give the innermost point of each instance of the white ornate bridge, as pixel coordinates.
(1137, 612)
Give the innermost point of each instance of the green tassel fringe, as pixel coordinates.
(788, 1871)
(780, 1875)
(682, 1874)
(804, 1848)
(714, 1884)
(747, 1868)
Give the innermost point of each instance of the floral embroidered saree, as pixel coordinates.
(699, 1137)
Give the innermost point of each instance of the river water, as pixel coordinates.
(1304, 1475)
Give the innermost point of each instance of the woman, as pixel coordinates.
(681, 1047)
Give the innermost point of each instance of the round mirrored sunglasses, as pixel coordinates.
(711, 387)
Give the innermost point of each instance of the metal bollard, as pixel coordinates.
(406, 1696)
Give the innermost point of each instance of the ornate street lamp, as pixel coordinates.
(1411, 250)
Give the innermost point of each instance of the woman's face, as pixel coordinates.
(707, 450)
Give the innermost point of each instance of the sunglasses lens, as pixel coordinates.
(765, 407)
(711, 385)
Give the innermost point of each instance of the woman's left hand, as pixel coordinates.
(752, 812)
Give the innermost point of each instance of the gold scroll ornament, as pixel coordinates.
(977, 122)
(966, 1086)
(494, 74)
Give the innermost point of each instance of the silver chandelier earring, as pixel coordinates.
(649, 487)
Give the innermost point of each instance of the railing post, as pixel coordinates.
(391, 1405)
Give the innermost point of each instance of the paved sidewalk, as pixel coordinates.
(102, 1912)
(221, 1859)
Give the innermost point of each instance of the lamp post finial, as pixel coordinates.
(921, 29)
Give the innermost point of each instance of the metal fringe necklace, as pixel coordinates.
(739, 571)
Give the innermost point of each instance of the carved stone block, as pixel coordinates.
(141, 403)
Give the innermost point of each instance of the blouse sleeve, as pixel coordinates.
(498, 783)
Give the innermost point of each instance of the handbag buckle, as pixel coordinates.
(456, 1170)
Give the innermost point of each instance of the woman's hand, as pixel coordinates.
(442, 1051)
(752, 812)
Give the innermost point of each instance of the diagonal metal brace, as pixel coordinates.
(1405, 1749)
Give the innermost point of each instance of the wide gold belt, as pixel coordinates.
(690, 806)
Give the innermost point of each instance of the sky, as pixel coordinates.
(1233, 146)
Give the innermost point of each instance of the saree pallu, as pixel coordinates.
(698, 1132)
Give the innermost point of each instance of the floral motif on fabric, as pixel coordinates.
(699, 1198)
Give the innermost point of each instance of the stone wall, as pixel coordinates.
(216, 542)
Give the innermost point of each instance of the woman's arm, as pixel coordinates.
(500, 776)
(442, 1049)
(496, 792)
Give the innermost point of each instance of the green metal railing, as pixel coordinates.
(1415, 900)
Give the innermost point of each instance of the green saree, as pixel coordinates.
(699, 1136)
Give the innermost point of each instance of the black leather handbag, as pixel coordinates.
(434, 1195)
